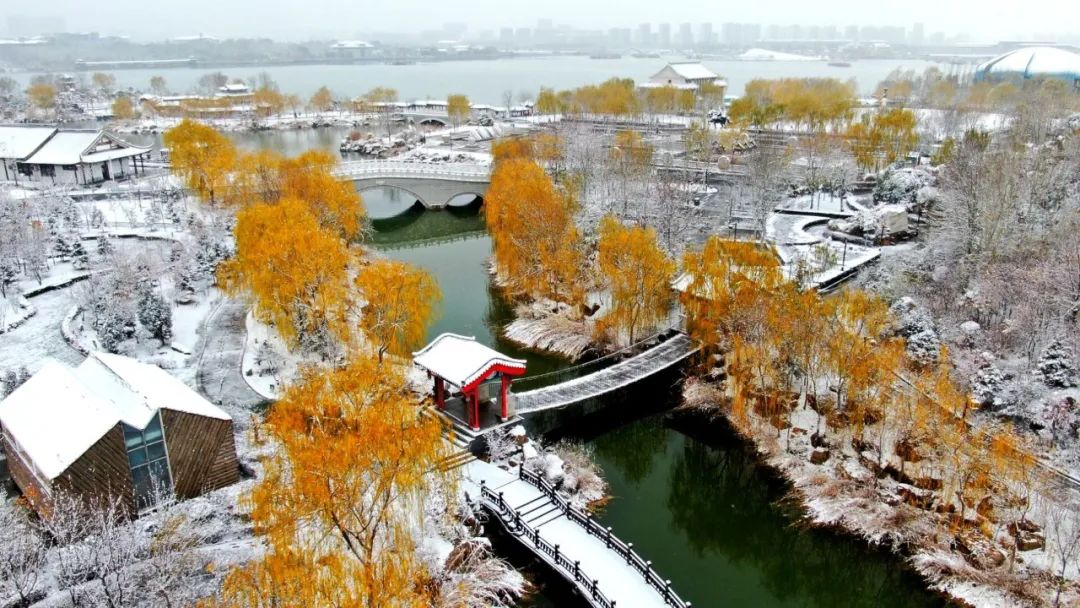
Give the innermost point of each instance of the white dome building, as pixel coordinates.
(1035, 62)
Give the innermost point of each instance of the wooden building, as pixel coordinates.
(114, 429)
(465, 370)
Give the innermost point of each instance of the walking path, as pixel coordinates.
(605, 570)
(221, 351)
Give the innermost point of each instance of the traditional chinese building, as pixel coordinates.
(68, 156)
(468, 376)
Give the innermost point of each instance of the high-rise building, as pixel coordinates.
(506, 36)
(663, 39)
(455, 31)
(619, 37)
(744, 34)
(830, 32)
(644, 35)
(523, 36)
(705, 35)
(686, 36)
(851, 33)
(918, 35)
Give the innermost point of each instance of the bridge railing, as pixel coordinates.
(407, 169)
(556, 377)
(595, 528)
(511, 519)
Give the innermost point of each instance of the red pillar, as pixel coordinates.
(502, 395)
(476, 409)
(440, 397)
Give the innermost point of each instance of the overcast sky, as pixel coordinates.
(305, 19)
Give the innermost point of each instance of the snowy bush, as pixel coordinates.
(155, 315)
(915, 324)
(115, 325)
(12, 379)
(992, 388)
(901, 187)
(1057, 366)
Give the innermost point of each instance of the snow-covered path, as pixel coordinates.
(616, 579)
(219, 373)
(39, 338)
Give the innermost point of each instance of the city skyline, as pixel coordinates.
(328, 19)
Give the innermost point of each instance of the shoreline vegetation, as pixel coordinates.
(810, 381)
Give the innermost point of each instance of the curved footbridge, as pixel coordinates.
(606, 571)
(434, 185)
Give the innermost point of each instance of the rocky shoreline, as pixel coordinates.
(836, 490)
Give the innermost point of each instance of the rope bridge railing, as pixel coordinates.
(593, 365)
(511, 519)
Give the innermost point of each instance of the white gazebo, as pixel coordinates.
(464, 363)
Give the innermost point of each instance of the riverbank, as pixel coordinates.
(839, 487)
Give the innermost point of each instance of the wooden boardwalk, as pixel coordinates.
(606, 571)
(622, 374)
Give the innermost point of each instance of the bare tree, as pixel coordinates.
(767, 177)
(22, 560)
(508, 100)
(174, 560)
(1063, 542)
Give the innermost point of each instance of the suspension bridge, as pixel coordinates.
(662, 352)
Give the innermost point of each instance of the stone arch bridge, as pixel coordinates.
(434, 185)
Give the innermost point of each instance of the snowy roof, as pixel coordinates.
(462, 360)
(692, 70)
(82, 146)
(54, 418)
(352, 44)
(18, 142)
(689, 86)
(1033, 61)
(140, 389)
(59, 412)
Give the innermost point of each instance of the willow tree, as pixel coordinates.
(293, 270)
(536, 245)
(268, 177)
(202, 156)
(725, 290)
(638, 274)
(458, 109)
(340, 499)
(400, 303)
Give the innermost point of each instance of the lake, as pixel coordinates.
(485, 81)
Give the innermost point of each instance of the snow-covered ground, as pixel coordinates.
(811, 258)
(39, 339)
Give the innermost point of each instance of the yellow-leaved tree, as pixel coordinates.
(400, 303)
(123, 109)
(268, 177)
(536, 244)
(293, 270)
(339, 500)
(724, 291)
(42, 95)
(202, 156)
(458, 109)
(638, 274)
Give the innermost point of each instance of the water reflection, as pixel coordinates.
(716, 524)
